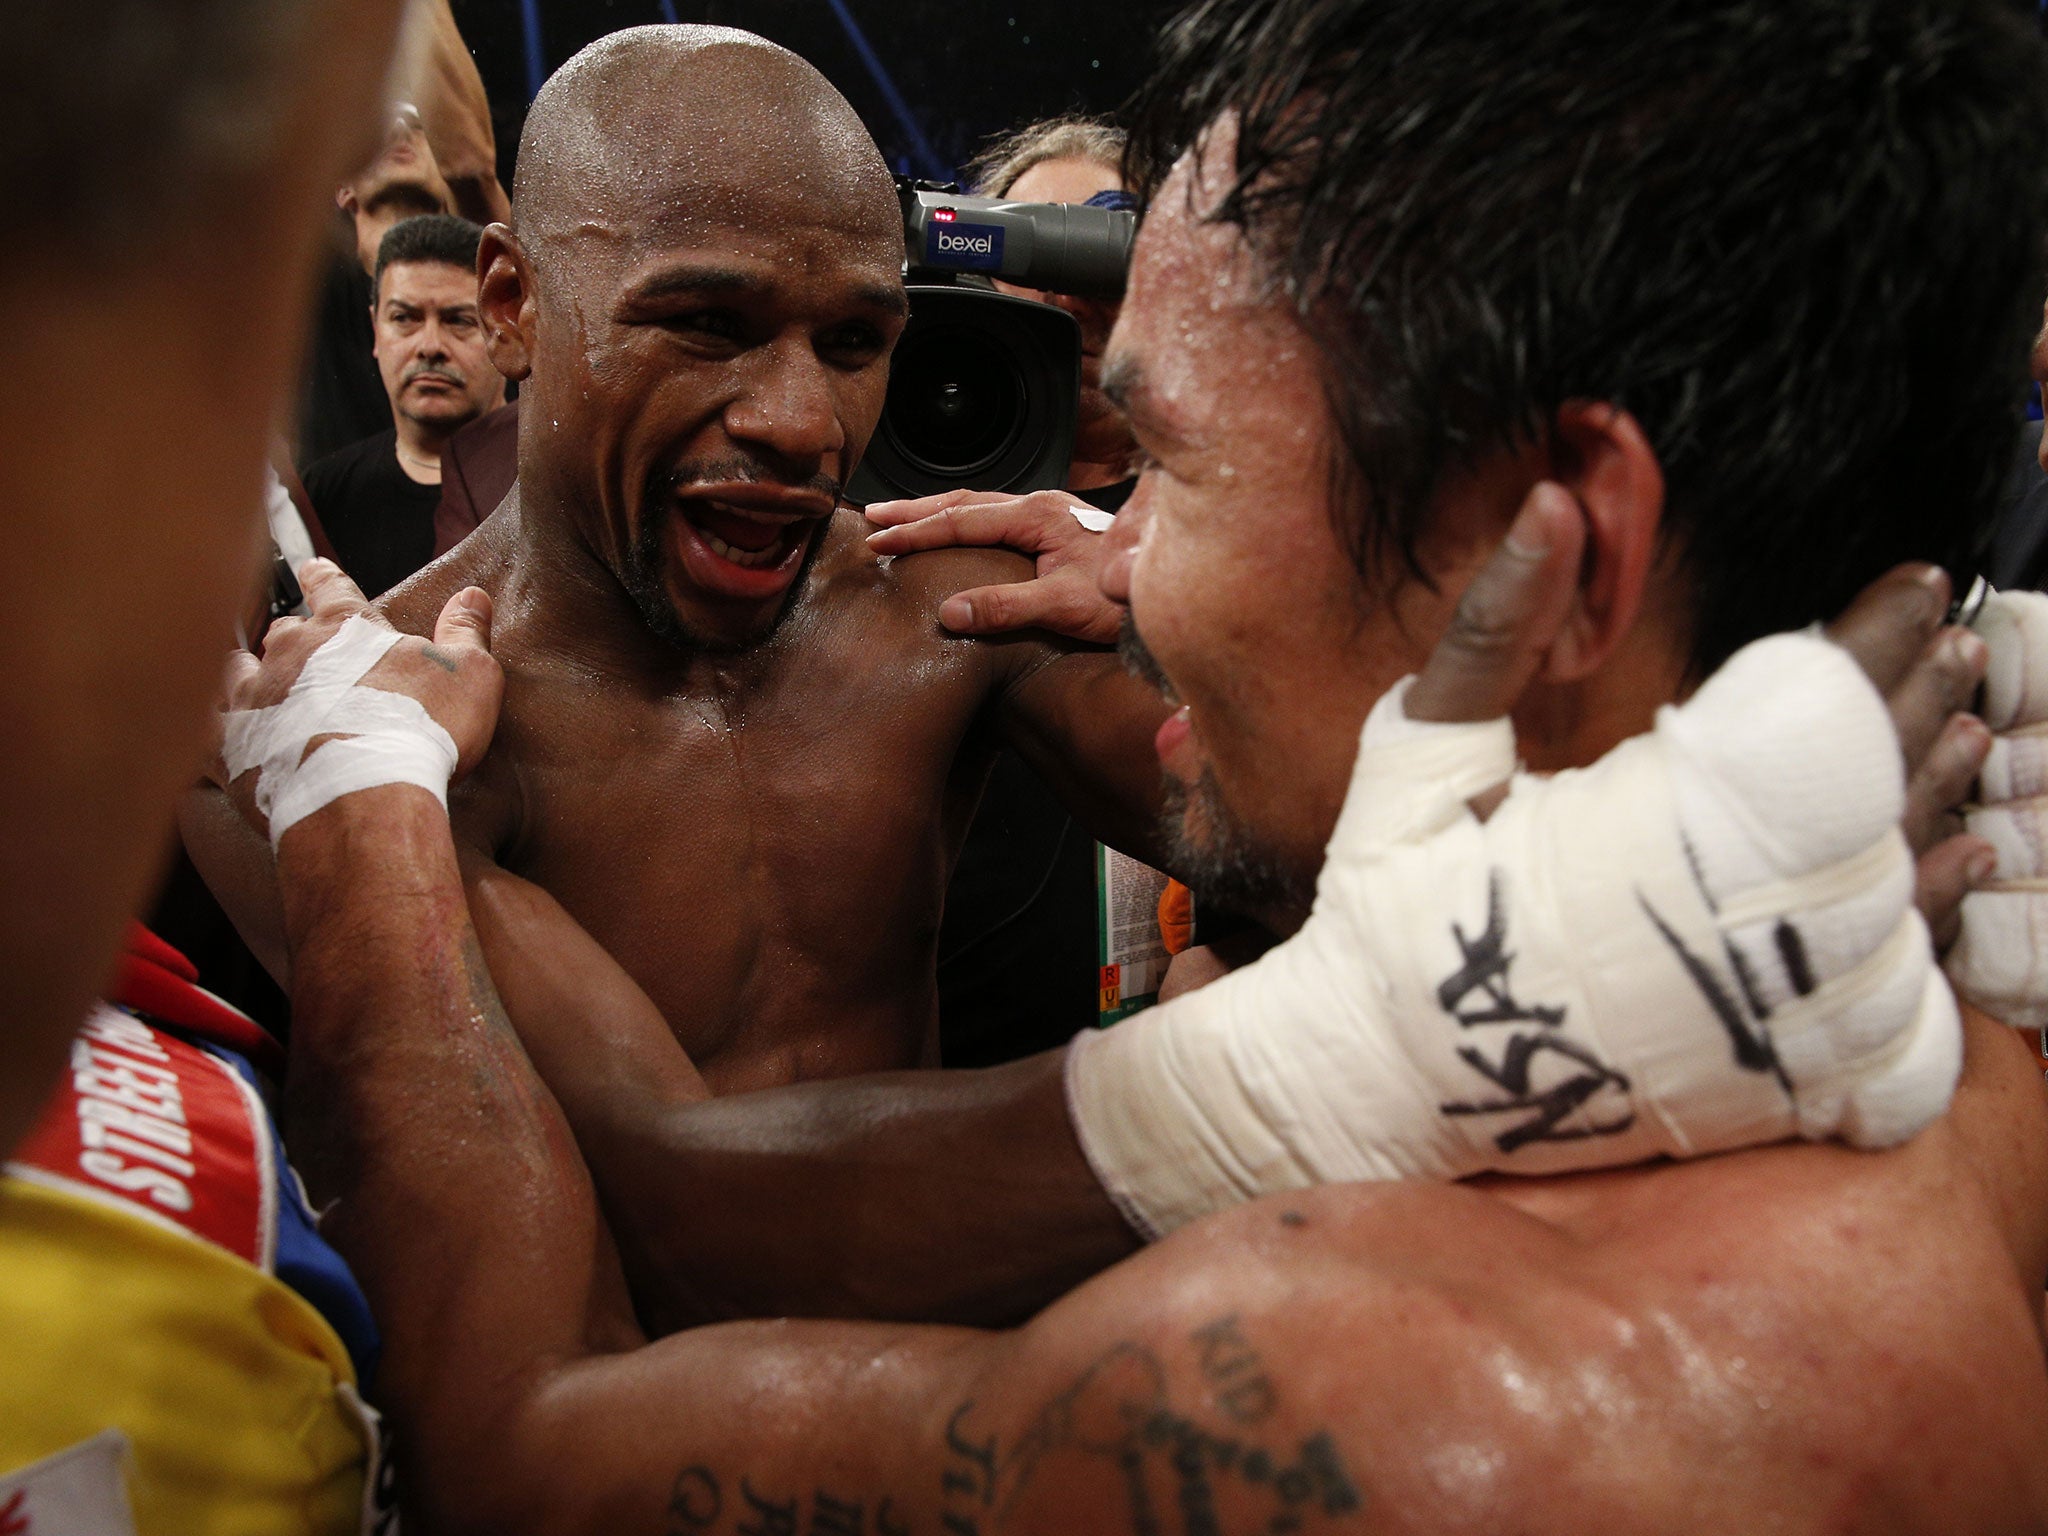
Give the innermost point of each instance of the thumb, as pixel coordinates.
(988, 610)
(1508, 617)
(465, 621)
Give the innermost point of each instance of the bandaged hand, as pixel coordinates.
(2000, 962)
(341, 702)
(1705, 940)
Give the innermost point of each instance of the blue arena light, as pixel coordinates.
(929, 164)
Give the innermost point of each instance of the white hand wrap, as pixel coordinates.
(2001, 961)
(386, 738)
(1705, 940)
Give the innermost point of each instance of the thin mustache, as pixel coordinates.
(434, 373)
(678, 481)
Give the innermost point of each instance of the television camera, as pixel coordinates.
(984, 387)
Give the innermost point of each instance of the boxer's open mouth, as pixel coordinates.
(749, 544)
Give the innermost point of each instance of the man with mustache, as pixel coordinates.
(376, 498)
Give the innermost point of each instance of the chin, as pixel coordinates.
(694, 622)
(1226, 861)
(444, 419)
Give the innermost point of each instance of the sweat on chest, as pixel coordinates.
(812, 815)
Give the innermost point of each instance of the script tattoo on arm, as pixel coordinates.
(1171, 1467)
(698, 1502)
(1560, 1086)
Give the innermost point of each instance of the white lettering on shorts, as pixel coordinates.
(82, 1491)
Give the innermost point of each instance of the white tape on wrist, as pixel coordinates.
(1705, 940)
(1094, 519)
(2000, 962)
(385, 737)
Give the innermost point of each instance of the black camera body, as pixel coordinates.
(984, 387)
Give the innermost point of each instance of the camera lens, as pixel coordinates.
(983, 394)
(956, 401)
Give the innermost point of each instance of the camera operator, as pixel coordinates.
(1073, 160)
(1018, 948)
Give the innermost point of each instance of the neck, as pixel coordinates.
(419, 449)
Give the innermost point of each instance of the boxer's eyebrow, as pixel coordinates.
(694, 282)
(734, 282)
(1124, 381)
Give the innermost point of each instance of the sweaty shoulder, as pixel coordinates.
(415, 603)
(928, 578)
(905, 591)
(1802, 1339)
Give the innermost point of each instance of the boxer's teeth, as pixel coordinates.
(749, 558)
(745, 514)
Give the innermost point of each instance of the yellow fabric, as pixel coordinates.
(225, 1380)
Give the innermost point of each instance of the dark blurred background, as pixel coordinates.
(931, 78)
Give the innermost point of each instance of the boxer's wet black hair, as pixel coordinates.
(1800, 240)
(121, 119)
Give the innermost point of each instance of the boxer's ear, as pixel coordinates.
(505, 299)
(1600, 454)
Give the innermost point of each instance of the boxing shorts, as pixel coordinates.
(183, 1352)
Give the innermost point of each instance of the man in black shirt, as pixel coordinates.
(341, 397)
(376, 498)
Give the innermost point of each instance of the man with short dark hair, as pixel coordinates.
(1409, 323)
(341, 400)
(376, 498)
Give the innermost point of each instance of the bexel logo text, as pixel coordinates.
(974, 246)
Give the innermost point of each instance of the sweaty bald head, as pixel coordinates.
(670, 130)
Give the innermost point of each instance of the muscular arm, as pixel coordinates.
(1682, 1349)
(233, 860)
(956, 1196)
(523, 1393)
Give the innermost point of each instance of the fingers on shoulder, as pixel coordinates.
(465, 620)
(328, 589)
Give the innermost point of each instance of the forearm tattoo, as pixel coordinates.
(701, 1501)
(1182, 1467)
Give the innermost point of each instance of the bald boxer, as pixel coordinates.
(1806, 1338)
(714, 685)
